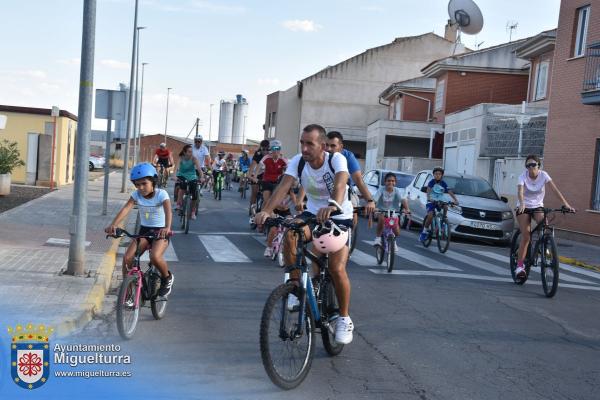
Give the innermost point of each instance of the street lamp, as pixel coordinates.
(167, 114)
(141, 103)
(210, 122)
(136, 91)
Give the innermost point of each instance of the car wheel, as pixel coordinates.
(91, 166)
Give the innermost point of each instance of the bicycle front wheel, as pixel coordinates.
(287, 357)
(187, 213)
(549, 265)
(354, 233)
(443, 236)
(128, 307)
(390, 253)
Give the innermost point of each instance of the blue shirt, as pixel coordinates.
(152, 213)
(437, 189)
(353, 164)
(244, 164)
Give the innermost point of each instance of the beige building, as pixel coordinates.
(33, 129)
(345, 96)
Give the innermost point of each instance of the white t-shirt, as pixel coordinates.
(152, 212)
(534, 189)
(318, 183)
(200, 153)
(386, 200)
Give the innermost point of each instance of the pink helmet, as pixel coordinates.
(329, 237)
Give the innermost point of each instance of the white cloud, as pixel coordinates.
(114, 64)
(303, 25)
(268, 81)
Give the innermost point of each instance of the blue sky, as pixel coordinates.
(209, 50)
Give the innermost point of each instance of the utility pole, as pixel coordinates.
(78, 219)
(130, 103)
(136, 107)
(141, 103)
(197, 123)
(167, 114)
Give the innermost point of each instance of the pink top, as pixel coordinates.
(534, 189)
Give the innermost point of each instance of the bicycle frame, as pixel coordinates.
(390, 220)
(541, 229)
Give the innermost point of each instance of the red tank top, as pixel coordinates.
(273, 169)
(163, 153)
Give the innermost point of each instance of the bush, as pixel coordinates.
(9, 157)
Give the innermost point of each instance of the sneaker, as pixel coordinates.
(193, 214)
(129, 303)
(423, 236)
(520, 272)
(378, 241)
(268, 252)
(395, 247)
(293, 303)
(166, 284)
(343, 330)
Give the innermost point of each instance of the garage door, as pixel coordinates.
(450, 161)
(466, 155)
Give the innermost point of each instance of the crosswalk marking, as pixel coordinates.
(169, 255)
(363, 259)
(506, 259)
(222, 249)
(473, 262)
(419, 259)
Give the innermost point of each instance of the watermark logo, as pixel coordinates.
(30, 355)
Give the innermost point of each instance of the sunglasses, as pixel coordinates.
(531, 165)
(275, 148)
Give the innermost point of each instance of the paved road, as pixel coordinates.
(447, 326)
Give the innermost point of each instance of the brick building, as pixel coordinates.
(492, 75)
(572, 148)
(539, 51)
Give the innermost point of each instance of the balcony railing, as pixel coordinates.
(591, 78)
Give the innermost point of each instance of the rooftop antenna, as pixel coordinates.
(478, 44)
(466, 16)
(510, 27)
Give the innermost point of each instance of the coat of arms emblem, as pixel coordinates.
(30, 355)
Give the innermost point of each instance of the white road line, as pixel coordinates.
(169, 255)
(562, 276)
(420, 259)
(363, 259)
(581, 271)
(470, 261)
(222, 249)
(473, 277)
(261, 239)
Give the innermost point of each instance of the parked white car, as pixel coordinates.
(96, 162)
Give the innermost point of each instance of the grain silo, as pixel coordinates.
(226, 121)
(240, 113)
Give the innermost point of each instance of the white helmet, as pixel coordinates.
(329, 237)
(198, 137)
(275, 144)
(162, 145)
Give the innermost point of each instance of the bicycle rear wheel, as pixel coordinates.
(390, 253)
(128, 307)
(443, 236)
(331, 311)
(514, 251)
(549, 265)
(286, 358)
(354, 233)
(188, 212)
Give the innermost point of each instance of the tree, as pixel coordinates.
(9, 157)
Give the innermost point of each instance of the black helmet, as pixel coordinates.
(436, 169)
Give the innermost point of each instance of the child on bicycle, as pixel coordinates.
(436, 188)
(389, 197)
(155, 215)
(283, 210)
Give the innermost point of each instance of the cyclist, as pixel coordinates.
(200, 151)
(187, 177)
(335, 144)
(230, 169)
(389, 197)
(255, 169)
(163, 157)
(325, 178)
(531, 190)
(219, 166)
(273, 165)
(155, 215)
(283, 210)
(243, 166)
(435, 192)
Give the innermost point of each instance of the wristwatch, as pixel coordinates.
(370, 201)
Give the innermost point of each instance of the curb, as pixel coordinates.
(580, 264)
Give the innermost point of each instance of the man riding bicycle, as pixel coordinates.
(219, 166)
(163, 158)
(200, 151)
(324, 177)
(243, 166)
(253, 171)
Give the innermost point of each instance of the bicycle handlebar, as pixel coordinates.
(119, 233)
(547, 210)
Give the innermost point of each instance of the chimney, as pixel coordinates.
(450, 32)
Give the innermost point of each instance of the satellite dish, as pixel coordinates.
(466, 15)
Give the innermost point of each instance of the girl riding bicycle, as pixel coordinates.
(154, 208)
(282, 210)
(389, 197)
(188, 171)
(531, 191)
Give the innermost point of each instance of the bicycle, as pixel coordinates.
(136, 289)
(543, 254)
(256, 208)
(440, 227)
(388, 239)
(285, 333)
(243, 184)
(227, 181)
(218, 185)
(185, 214)
(277, 244)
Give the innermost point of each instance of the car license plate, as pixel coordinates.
(483, 225)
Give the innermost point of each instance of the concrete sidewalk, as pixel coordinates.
(31, 281)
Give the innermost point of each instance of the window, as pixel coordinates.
(374, 181)
(541, 80)
(367, 177)
(398, 109)
(583, 16)
(420, 181)
(439, 95)
(596, 198)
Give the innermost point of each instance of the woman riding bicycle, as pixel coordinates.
(154, 208)
(274, 166)
(187, 178)
(243, 166)
(389, 197)
(531, 191)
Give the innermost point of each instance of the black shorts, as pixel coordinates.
(283, 213)
(146, 230)
(164, 162)
(268, 186)
(190, 186)
(530, 210)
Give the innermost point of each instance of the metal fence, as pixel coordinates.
(514, 131)
(591, 77)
